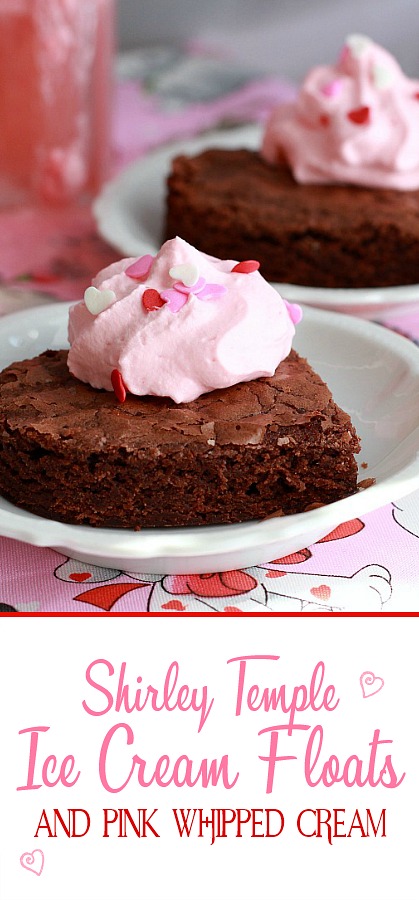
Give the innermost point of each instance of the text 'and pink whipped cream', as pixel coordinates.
(178, 324)
(356, 122)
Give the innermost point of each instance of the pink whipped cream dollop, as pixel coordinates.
(178, 325)
(356, 122)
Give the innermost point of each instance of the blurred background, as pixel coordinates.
(183, 68)
(276, 36)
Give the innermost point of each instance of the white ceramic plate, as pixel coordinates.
(130, 212)
(373, 374)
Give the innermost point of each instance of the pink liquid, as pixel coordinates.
(55, 98)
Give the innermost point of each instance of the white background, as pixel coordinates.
(43, 664)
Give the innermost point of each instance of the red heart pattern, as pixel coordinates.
(175, 605)
(322, 592)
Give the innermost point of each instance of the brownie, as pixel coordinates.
(73, 453)
(234, 205)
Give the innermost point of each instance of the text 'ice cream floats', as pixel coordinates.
(178, 324)
(356, 122)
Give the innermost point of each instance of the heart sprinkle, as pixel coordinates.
(188, 273)
(247, 266)
(177, 296)
(382, 77)
(96, 301)
(118, 386)
(294, 311)
(151, 299)
(140, 268)
(332, 88)
(357, 43)
(359, 116)
(174, 299)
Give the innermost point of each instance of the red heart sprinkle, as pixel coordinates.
(324, 120)
(80, 576)
(416, 96)
(151, 299)
(177, 605)
(247, 266)
(231, 609)
(275, 573)
(118, 386)
(323, 592)
(359, 116)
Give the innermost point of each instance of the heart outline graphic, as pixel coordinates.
(33, 862)
(370, 684)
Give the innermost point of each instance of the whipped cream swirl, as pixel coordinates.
(356, 122)
(178, 325)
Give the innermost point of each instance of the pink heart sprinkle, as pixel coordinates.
(212, 292)
(189, 289)
(294, 311)
(140, 268)
(174, 299)
(332, 88)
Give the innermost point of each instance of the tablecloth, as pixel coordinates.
(369, 565)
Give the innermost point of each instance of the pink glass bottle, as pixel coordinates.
(55, 98)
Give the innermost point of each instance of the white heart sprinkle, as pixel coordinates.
(187, 273)
(96, 301)
(357, 43)
(382, 77)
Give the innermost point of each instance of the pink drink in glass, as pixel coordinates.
(55, 98)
